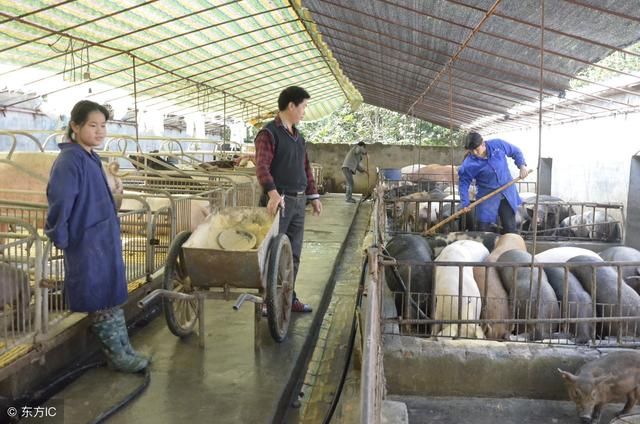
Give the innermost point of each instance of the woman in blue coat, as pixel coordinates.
(82, 221)
(486, 163)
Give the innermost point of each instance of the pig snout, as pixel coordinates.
(585, 414)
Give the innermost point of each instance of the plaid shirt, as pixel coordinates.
(265, 149)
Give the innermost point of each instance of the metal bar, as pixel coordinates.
(152, 62)
(257, 96)
(225, 54)
(493, 34)
(35, 12)
(384, 95)
(370, 377)
(346, 64)
(453, 58)
(469, 105)
(366, 71)
(220, 88)
(102, 42)
(472, 62)
(304, 24)
(559, 320)
(135, 97)
(604, 10)
(476, 65)
(550, 30)
(145, 301)
(247, 297)
(64, 30)
(260, 75)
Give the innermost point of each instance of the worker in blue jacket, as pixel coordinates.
(486, 163)
(83, 222)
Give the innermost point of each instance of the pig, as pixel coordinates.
(15, 292)
(606, 296)
(578, 302)
(416, 210)
(611, 378)
(462, 223)
(216, 164)
(551, 211)
(394, 193)
(114, 181)
(411, 169)
(446, 289)
(414, 248)
(523, 292)
(564, 253)
(496, 300)
(440, 241)
(594, 226)
(142, 161)
(630, 274)
(435, 176)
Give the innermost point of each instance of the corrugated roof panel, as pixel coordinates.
(399, 53)
(184, 51)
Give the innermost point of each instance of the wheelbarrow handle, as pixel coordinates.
(463, 211)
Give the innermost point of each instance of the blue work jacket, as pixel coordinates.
(490, 173)
(83, 222)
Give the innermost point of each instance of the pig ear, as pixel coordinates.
(567, 375)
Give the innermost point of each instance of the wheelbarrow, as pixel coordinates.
(238, 253)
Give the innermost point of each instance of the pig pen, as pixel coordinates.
(581, 222)
(145, 237)
(423, 379)
(471, 380)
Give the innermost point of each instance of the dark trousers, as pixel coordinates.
(348, 176)
(292, 224)
(507, 218)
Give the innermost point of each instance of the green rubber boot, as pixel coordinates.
(108, 330)
(124, 336)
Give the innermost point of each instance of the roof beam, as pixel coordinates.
(453, 58)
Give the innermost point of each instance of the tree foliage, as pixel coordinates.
(616, 61)
(372, 124)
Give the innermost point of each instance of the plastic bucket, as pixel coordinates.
(393, 174)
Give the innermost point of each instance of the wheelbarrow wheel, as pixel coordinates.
(279, 286)
(181, 315)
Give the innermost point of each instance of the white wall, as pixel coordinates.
(591, 158)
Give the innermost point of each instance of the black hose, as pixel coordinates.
(131, 396)
(352, 339)
(42, 395)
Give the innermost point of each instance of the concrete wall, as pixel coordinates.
(330, 156)
(428, 367)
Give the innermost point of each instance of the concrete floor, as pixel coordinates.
(454, 410)
(231, 380)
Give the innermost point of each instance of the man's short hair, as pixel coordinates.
(472, 141)
(361, 143)
(292, 94)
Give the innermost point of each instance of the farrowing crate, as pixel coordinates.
(21, 303)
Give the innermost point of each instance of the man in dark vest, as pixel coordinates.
(283, 171)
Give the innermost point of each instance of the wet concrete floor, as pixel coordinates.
(233, 379)
(337, 341)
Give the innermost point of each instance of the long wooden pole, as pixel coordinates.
(462, 211)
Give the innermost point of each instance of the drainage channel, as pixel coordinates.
(316, 397)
